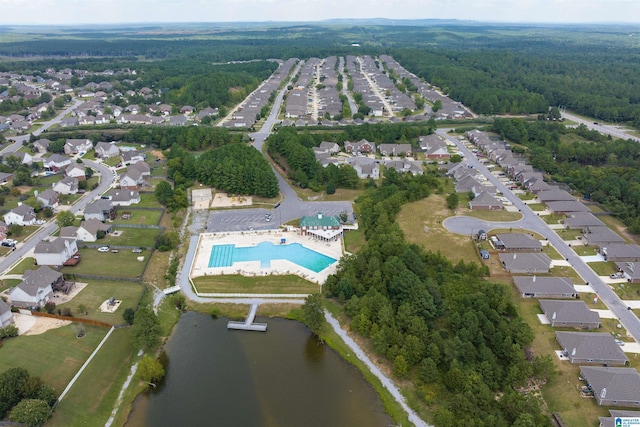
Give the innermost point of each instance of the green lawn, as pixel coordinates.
(24, 265)
(551, 252)
(501, 215)
(603, 268)
(131, 237)
(120, 265)
(102, 380)
(148, 200)
(562, 271)
(627, 290)
(9, 283)
(112, 161)
(26, 231)
(536, 207)
(97, 292)
(144, 217)
(527, 196)
(55, 356)
(585, 250)
(286, 284)
(353, 240)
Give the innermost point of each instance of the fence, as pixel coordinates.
(75, 276)
(72, 319)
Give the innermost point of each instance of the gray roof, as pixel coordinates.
(530, 262)
(519, 241)
(632, 269)
(98, 206)
(554, 195)
(569, 311)
(53, 247)
(94, 225)
(485, 199)
(123, 195)
(582, 219)
(621, 250)
(4, 307)
(597, 235)
(24, 211)
(544, 285)
(567, 206)
(617, 384)
(591, 346)
(40, 278)
(69, 232)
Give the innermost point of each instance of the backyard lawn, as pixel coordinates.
(104, 264)
(97, 292)
(138, 216)
(131, 237)
(286, 284)
(55, 356)
(148, 200)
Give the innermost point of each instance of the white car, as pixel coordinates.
(103, 249)
(620, 342)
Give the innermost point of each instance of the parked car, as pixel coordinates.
(7, 244)
(103, 249)
(136, 250)
(619, 342)
(115, 251)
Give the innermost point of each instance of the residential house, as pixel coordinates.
(187, 109)
(525, 263)
(485, 201)
(591, 348)
(555, 195)
(122, 197)
(321, 226)
(395, 149)
(545, 287)
(570, 314)
(76, 146)
(5, 178)
(22, 157)
(89, 230)
(48, 198)
(101, 210)
(614, 414)
(6, 316)
(106, 150)
(630, 270)
(69, 122)
(621, 252)
(580, 220)
(56, 162)
(36, 288)
(177, 120)
(365, 167)
(434, 147)
(131, 157)
(405, 166)
(55, 252)
(134, 176)
(566, 207)
(361, 147)
(601, 236)
(76, 170)
(519, 242)
(21, 215)
(329, 147)
(613, 386)
(67, 185)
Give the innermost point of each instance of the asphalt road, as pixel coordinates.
(531, 221)
(612, 130)
(290, 207)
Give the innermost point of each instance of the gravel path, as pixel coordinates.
(386, 381)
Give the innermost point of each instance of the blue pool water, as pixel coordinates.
(265, 252)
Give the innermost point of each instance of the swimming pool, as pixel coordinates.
(265, 252)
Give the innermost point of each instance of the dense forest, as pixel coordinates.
(457, 337)
(601, 168)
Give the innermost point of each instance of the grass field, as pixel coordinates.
(421, 223)
(55, 356)
(353, 240)
(536, 206)
(101, 380)
(286, 284)
(24, 265)
(97, 292)
(139, 216)
(148, 200)
(9, 283)
(603, 268)
(102, 264)
(131, 237)
(501, 215)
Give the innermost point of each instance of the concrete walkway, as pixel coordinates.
(386, 381)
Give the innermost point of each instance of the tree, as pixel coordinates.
(313, 313)
(65, 219)
(146, 328)
(11, 382)
(437, 105)
(32, 412)
(128, 315)
(14, 230)
(453, 200)
(150, 370)
(88, 172)
(163, 192)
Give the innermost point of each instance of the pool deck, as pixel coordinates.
(206, 241)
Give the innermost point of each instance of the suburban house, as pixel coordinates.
(22, 157)
(76, 146)
(88, 230)
(565, 207)
(621, 252)
(121, 197)
(56, 162)
(48, 198)
(55, 252)
(591, 347)
(485, 201)
(329, 147)
(525, 263)
(518, 242)
(67, 185)
(323, 227)
(545, 287)
(434, 147)
(6, 317)
(101, 209)
(36, 288)
(554, 195)
(41, 145)
(405, 166)
(395, 149)
(630, 270)
(75, 170)
(363, 147)
(5, 177)
(470, 183)
(106, 150)
(21, 215)
(570, 314)
(617, 413)
(131, 156)
(365, 167)
(131, 179)
(580, 220)
(601, 236)
(613, 386)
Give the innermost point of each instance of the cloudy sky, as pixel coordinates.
(124, 11)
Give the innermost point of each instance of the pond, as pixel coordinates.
(282, 378)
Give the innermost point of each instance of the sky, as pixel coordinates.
(64, 12)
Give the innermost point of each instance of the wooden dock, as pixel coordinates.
(248, 324)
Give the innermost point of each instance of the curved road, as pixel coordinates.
(612, 130)
(531, 221)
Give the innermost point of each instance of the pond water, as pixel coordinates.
(280, 378)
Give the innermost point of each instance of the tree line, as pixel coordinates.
(455, 336)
